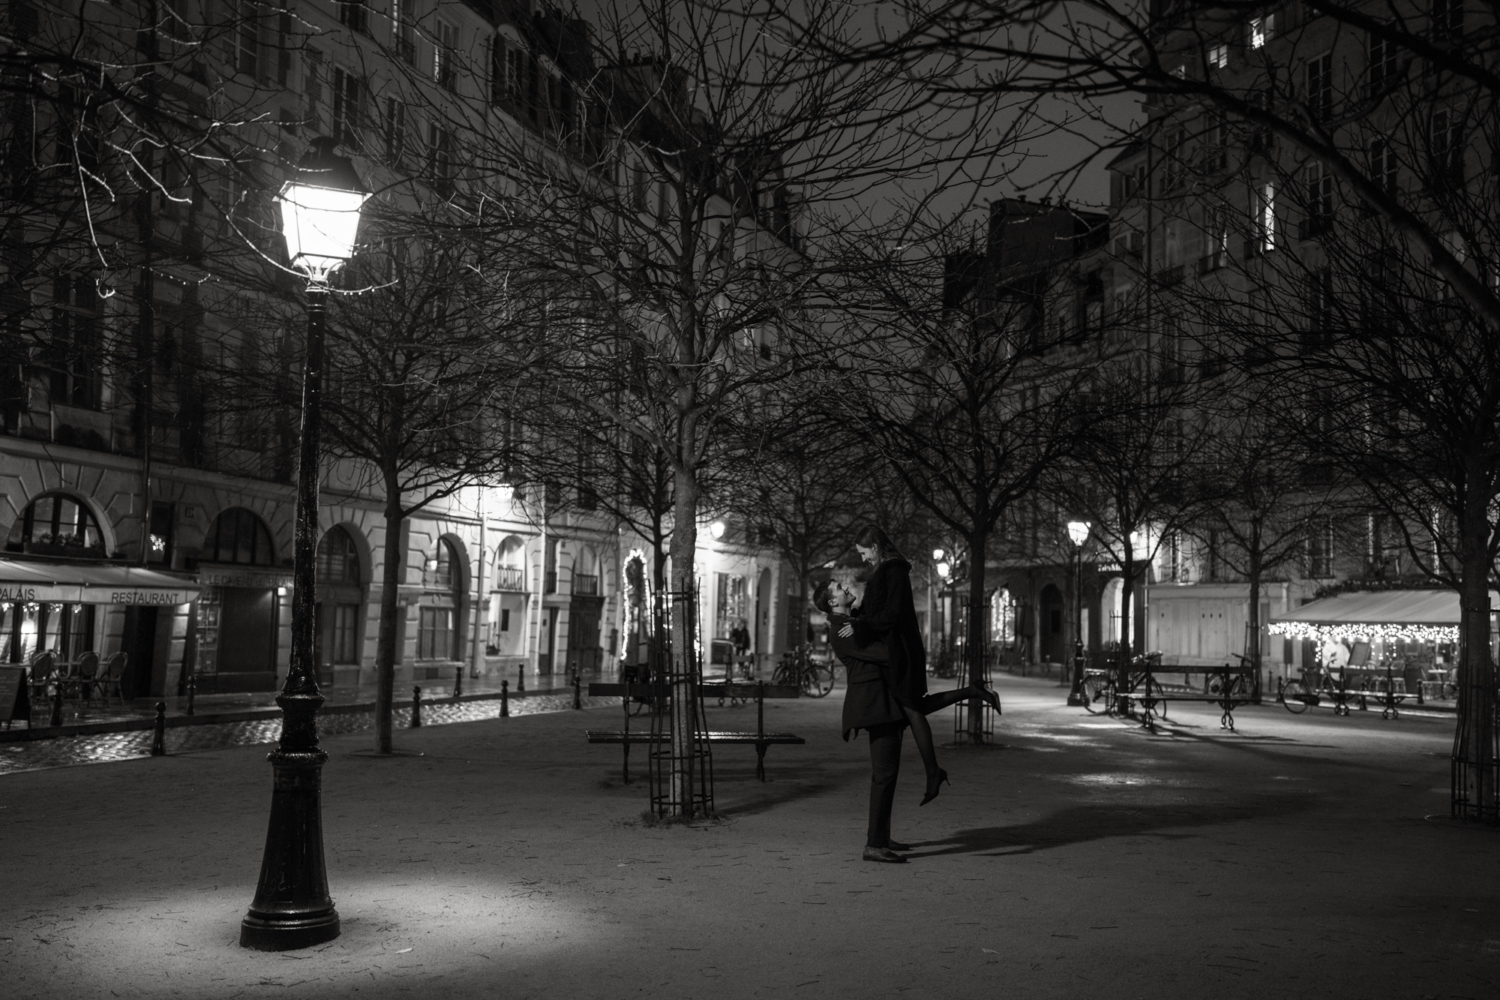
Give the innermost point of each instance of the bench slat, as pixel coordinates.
(639, 690)
(619, 736)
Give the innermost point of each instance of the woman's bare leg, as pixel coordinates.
(936, 702)
(921, 734)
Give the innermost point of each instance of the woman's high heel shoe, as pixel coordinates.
(988, 695)
(938, 781)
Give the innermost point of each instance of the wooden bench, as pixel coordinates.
(760, 739)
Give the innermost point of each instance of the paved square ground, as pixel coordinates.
(1087, 858)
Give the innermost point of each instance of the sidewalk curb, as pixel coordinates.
(147, 723)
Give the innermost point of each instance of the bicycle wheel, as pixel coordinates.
(817, 680)
(1294, 697)
(1095, 697)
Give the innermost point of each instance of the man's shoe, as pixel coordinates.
(897, 846)
(884, 855)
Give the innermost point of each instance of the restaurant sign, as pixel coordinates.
(242, 576)
(91, 583)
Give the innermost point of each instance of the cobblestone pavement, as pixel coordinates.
(34, 755)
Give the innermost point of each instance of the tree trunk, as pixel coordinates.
(390, 610)
(978, 629)
(1252, 619)
(1127, 605)
(1474, 784)
(685, 628)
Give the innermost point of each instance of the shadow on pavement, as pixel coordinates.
(1081, 824)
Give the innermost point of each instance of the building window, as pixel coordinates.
(729, 604)
(57, 524)
(348, 108)
(238, 536)
(437, 617)
(435, 634)
(343, 634)
(1383, 169)
(1381, 69)
(1174, 164)
(444, 54)
(1262, 30)
(353, 14)
(1447, 147)
(1265, 218)
(1218, 56)
(1319, 192)
(1320, 86)
(440, 158)
(1320, 550)
(395, 130)
(29, 627)
(1447, 20)
(73, 356)
(401, 34)
(338, 561)
(163, 514)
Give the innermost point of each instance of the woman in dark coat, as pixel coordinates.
(868, 705)
(888, 613)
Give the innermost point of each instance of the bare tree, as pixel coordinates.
(962, 386)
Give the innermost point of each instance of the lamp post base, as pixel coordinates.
(1075, 700)
(287, 934)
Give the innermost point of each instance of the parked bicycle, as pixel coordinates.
(1101, 685)
(800, 668)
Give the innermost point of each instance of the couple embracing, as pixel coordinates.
(880, 644)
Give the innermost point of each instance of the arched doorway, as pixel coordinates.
(340, 604)
(1003, 624)
(1051, 626)
(585, 609)
(437, 614)
(237, 619)
(508, 600)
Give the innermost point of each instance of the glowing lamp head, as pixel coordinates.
(320, 210)
(937, 555)
(944, 569)
(1078, 531)
(716, 529)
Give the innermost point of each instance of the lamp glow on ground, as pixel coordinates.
(320, 209)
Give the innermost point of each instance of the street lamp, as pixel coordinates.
(1078, 533)
(292, 909)
(717, 530)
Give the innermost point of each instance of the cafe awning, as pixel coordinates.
(91, 583)
(1420, 615)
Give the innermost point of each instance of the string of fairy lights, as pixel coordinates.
(1352, 632)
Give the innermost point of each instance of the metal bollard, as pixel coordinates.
(577, 692)
(56, 719)
(159, 737)
(192, 686)
(504, 699)
(458, 684)
(416, 708)
(521, 679)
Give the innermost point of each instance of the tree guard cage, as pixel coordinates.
(1475, 793)
(984, 735)
(681, 766)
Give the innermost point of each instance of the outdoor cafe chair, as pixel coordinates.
(114, 667)
(84, 674)
(43, 668)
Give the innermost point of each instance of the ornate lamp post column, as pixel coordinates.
(1078, 534)
(292, 909)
